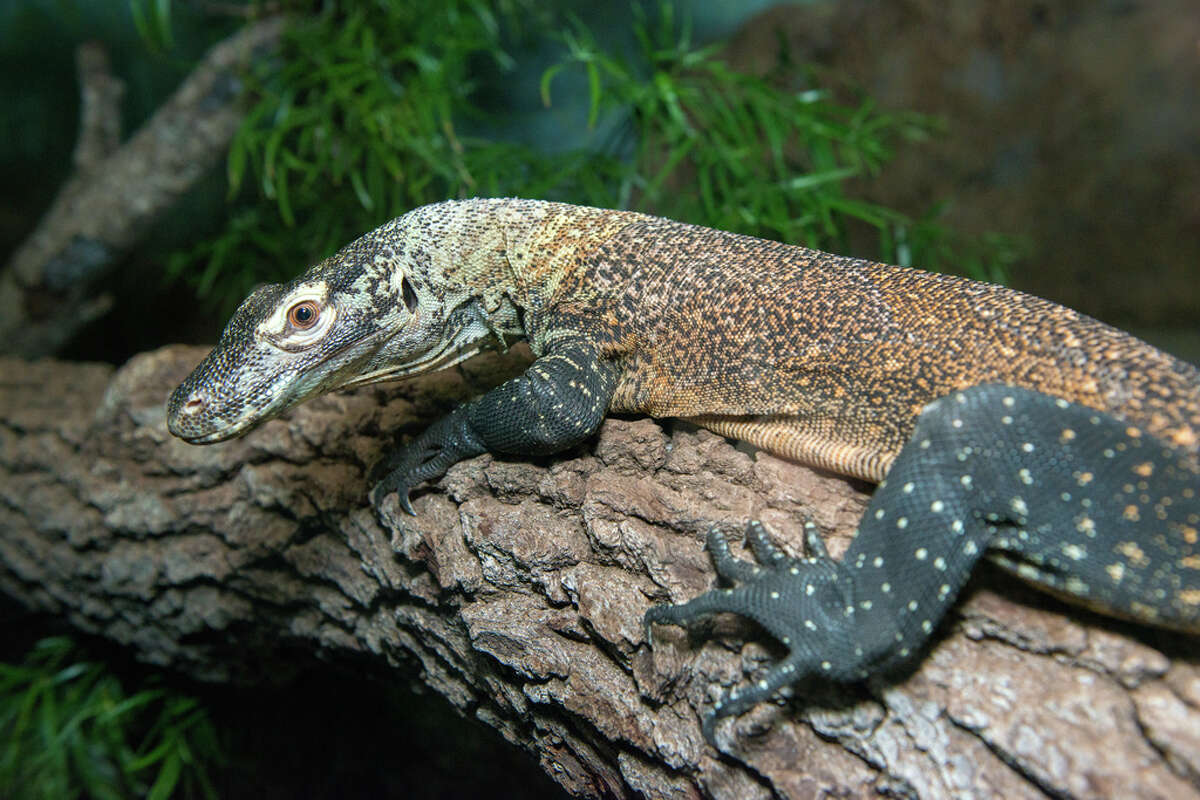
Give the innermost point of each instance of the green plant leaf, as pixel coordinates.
(547, 78)
(168, 777)
(152, 20)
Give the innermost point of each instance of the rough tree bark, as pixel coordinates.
(517, 593)
(48, 287)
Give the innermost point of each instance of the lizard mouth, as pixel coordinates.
(223, 435)
(441, 358)
(216, 436)
(454, 348)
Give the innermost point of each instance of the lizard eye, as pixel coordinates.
(304, 314)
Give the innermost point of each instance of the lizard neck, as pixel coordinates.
(513, 261)
(458, 251)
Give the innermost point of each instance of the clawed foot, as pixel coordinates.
(405, 469)
(439, 447)
(801, 601)
(771, 561)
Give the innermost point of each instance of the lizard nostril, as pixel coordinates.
(193, 406)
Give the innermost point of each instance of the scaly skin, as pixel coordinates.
(1093, 436)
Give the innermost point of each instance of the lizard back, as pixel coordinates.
(828, 359)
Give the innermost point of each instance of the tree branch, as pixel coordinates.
(517, 593)
(47, 289)
(99, 108)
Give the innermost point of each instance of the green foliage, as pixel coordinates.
(152, 18)
(68, 729)
(376, 108)
(356, 124)
(736, 151)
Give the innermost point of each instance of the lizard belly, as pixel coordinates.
(819, 443)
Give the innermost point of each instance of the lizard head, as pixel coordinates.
(367, 314)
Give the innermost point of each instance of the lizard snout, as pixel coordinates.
(185, 411)
(192, 416)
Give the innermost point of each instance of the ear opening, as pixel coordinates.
(410, 296)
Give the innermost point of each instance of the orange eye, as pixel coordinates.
(304, 314)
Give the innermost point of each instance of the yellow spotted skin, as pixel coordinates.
(1006, 426)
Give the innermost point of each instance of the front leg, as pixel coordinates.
(557, 403)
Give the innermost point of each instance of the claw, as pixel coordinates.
(385, 487)
(814, 545)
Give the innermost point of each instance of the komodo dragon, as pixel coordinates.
(1063, 449)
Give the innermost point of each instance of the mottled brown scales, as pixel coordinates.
(816, 357)
(822, 358)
